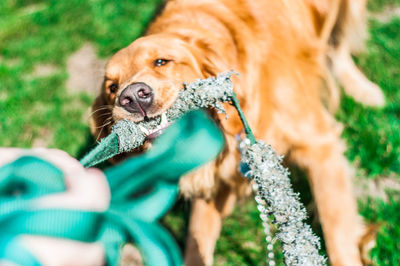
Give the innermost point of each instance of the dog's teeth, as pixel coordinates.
(144, 130)
(164, 119)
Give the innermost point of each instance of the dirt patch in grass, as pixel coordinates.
(9, 62)
(43, 70)
(375, 188)
(387, 14)
(46, 137)
(85, 71)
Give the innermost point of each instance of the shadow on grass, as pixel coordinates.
(177, 221)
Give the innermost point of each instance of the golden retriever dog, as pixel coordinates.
(290, 55)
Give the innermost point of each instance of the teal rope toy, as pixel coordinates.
(132, 215)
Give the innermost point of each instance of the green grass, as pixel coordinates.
(373, 134)
(386, 251)
(48, 32)
(379, 5)
(37, 32)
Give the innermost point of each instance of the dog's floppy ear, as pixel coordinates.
(211, 63)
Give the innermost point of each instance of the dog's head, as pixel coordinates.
(143, 80)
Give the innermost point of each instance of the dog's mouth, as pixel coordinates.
(152, 133)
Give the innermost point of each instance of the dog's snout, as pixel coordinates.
(137, 98)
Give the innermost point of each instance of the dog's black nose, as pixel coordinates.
(137, 98)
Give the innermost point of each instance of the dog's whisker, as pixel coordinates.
(105, 114)
(108, 119)
(105, 124)
(98, 136)
(102, 108)
(106, 111)
(105, 106)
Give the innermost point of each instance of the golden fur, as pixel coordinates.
(289, 54)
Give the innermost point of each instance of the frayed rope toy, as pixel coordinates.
(259, 163)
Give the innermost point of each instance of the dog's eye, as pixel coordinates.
(113, 88)
(160, 62)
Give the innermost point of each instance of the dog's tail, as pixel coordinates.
(345, 20)
(328, 17)
(343, 25)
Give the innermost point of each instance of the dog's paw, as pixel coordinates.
(370, 94)
(367, 242)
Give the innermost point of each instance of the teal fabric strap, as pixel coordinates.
(25, 177)
(187, 144)
(107, 148)
(143, 188)
(12, 251)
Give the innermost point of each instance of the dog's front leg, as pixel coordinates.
(330, 179)
(204, 228)
(205, 225)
